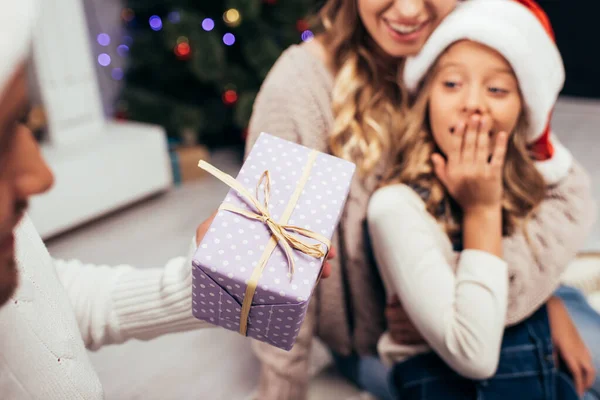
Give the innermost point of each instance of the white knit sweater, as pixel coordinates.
(60, 308)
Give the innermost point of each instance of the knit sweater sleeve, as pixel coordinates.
(115, 304)
(461, 315)
(291, 105)
(556, 233)
(294, 101)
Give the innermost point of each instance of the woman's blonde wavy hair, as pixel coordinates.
(367, 97)
(524, 186)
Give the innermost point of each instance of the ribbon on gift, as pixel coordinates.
(281, 232)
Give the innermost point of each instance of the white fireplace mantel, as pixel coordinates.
(99, 165)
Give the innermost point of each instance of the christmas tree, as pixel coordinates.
(195, 67)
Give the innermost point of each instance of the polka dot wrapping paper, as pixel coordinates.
(233, 245)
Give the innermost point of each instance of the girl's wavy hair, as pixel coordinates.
(524, 186)
(367, 96)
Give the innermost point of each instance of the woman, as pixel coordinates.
(340, 93)
(464, 178)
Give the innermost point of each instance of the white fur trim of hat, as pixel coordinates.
(515, 32)
(558, 166)
(16, 30)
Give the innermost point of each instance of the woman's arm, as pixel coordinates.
(461, 315)
(556, 233)
(570, 346)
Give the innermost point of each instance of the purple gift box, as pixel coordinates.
(228, 259)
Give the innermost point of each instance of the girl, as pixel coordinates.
(340, 94)
(464, 178)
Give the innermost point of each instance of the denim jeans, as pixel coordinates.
(526, 370)
(367, 372)
(371, 375)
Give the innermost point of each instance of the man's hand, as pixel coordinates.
(569, 346)
(327, 267)
(203, 228)
(400, 326)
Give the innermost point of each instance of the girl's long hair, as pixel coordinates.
(524, 186)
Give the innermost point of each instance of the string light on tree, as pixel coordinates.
(229, 39)
(232, 17)
(208, 24)
(230, 97)
(205, 48)
(307, 36)
(155, 23)
(104, 60)
(183, 49)
(103, 39)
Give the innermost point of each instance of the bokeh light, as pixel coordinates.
(155, 23)
(183, 50)
(123, 50)
(103, 39)
(208, 24)
(229, 39)
(232, 17)
(307, 36)
(104, 59)
(230, 97)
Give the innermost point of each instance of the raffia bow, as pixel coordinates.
(281, 231)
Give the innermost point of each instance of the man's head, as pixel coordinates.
(23, 171)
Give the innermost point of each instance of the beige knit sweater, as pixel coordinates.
(347, 311)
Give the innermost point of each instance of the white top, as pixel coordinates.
(60, 308)
(457, 301)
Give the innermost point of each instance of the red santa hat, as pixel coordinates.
(16, 29)
(521, 31)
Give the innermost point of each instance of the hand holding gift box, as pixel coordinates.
(257, 266)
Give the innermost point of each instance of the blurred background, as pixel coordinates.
(130, 94)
